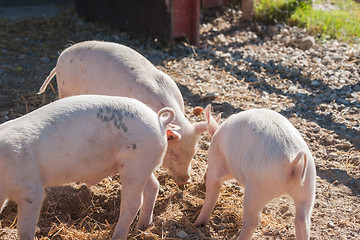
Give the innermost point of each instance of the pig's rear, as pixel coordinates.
(267, 144)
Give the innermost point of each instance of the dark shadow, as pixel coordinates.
(338, 177)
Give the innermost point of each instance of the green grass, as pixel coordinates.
(342, 23)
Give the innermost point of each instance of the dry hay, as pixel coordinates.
(75, 211)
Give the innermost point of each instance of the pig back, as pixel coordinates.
(106, 68)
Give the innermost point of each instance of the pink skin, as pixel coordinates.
(84, 139)
(105, 68)
(265, 153)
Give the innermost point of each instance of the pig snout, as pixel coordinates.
(182, 181)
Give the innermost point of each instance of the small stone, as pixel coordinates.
(284, 209)
(333, 155)
(211, 96)
(315, 83)
(354, 95)
(343, 128)
(326, 60)
(222, 38)
(331, 224)
(329, 139)
(316, 129)
(344, 146)
(306, 43)
(182, 234)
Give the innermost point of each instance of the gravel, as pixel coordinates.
(235, 67)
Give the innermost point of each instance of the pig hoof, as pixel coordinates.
(143, 226)
(200, 224)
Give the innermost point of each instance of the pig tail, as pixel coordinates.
(170, 115)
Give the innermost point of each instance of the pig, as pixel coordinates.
(106, 68)
(264, 152)
(84, 139)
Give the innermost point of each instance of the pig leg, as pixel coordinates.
(255, 198)
(150, 193)
(29, 205)
(302, 219)
(131, 200)
(216, 173)
(132, 194)
(304, 201)
(212, 193)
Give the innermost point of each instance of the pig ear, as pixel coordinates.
(208, 112)
(212, 123)
(218, 118)
(172, 135)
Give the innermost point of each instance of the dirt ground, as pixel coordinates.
(235, 68)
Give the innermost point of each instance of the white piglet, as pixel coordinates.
(84, 139)
(107, 68)
(263, 151)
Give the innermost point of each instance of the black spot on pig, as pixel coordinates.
(134, 146)
(121, 125)
(114, 115)
(71, 60)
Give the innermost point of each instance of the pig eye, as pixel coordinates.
(174, 157)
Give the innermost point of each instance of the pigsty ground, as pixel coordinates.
(236, 67)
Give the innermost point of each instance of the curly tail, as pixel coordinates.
(47, 81)
(171, 115)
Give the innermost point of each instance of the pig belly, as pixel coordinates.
(75, 169)
(81, 154)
